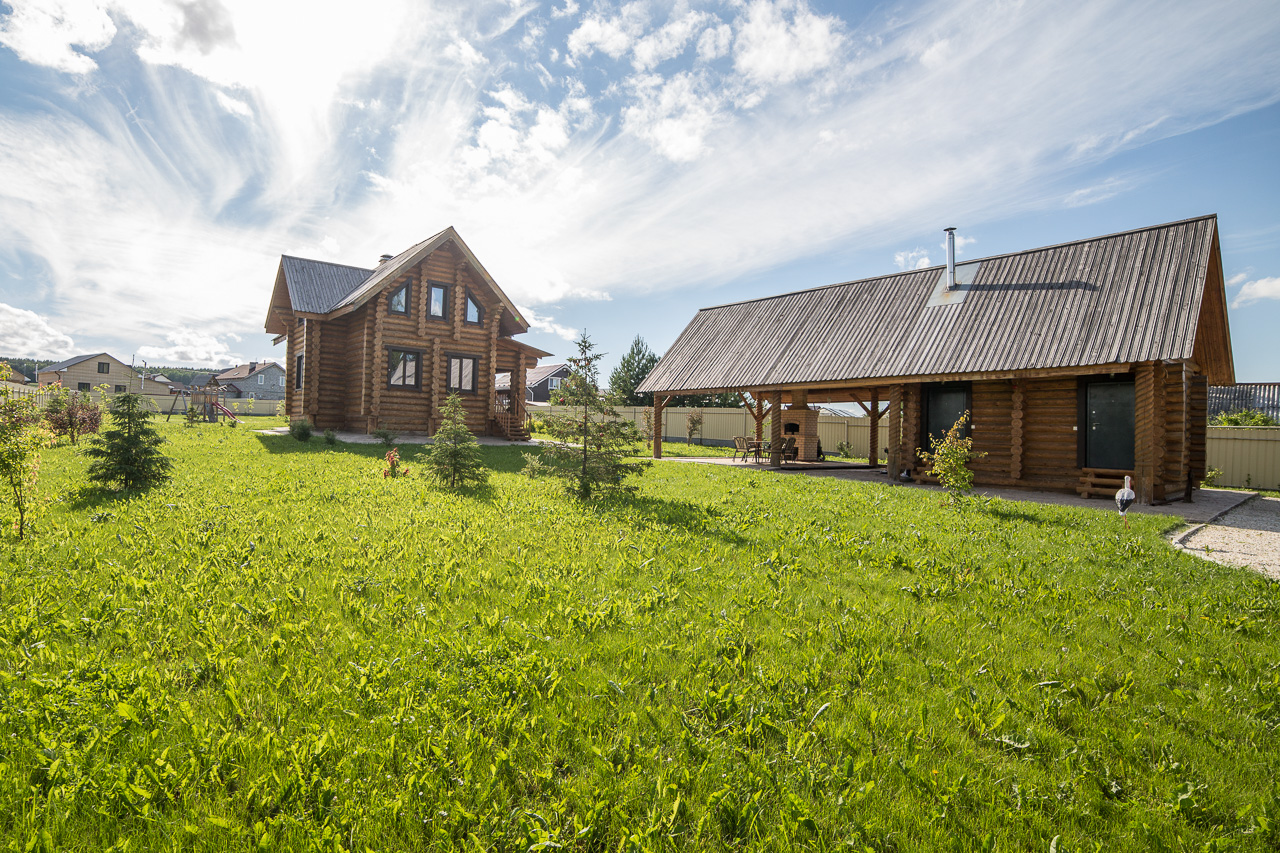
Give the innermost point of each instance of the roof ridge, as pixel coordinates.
(940, 267)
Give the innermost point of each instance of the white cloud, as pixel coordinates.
(58, 33)
(464, 53)
(570, 8)
(961, 242)
(913, 259)
(1256, 291)
(783, 41)
(234, 106)
(669, 40)
(612, 36)
(540, 323)
(674, 114)
(714, 42)
(25, 334)
(1238, 278)
(189, 348)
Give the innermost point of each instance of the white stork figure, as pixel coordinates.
(1124, 499)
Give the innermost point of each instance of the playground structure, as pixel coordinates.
(209, 402)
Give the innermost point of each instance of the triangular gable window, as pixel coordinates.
(475, 314)
(399, 301)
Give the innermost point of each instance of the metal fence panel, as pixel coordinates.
(1248, 457)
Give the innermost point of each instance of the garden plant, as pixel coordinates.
(454, 457)
(127, 455)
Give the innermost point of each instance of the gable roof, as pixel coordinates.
(1259, 396)
(1129, 297)
(319, 287)
(543, 372)
(73, 361)
(246, 371)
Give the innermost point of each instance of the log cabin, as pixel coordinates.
(381, 348)
(1079, 363)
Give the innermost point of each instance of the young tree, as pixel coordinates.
(638, 363)
(950, 458)
(454, 457)
(591, 442)
(21, 436)
(127, 455)
(693, 424)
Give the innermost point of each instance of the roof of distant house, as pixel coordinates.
(245, 371)
(72, 362)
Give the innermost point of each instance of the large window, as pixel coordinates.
(399, 301)
(83, 386)
(462, 373)
(943, 406)
(104, 367)
(438, 300)
(475, 314)
(402, 368)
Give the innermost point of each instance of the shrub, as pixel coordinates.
(845, 449)
(1211, 478)
(591, 442)
(72, 414)
(22, 435)
(646, 426)
(394, 468)
(127, 455)
(281, 409)
(301, 429)
(693, 425)
(454, 456)
(386, 436)
(330, 437)
(1244, 417)
(949, 460)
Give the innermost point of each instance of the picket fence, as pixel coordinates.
(1248, 457)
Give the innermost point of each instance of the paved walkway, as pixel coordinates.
(1208, 503)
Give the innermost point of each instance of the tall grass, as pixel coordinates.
(281, 649)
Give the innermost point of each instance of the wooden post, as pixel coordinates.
(894, 462)
(873, 436)
(1144, 462)
(775, 430)
(659, 403)
(1015, 432)
(759, 416)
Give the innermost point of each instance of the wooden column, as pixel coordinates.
(659, 403)
(1143, 434)
(775, 429)
(518, 384)
(873, 434)
(759, 416)
(894, 462)
(312, 361)
(438, 378)
(1015, 431)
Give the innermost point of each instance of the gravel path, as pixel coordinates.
(1248, 535)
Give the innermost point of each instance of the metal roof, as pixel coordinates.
(245, 371)
(317, 286)
(1122, 298)
(63, 365)
(1259, 396)
(532, 376)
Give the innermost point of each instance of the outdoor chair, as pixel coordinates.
(740, 446)
(789, 450)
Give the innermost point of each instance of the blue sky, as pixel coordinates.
(615, 166)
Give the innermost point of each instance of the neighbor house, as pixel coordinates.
(1246, 396)
(539, 382)
(1078, 363)
(261, 380)
(383, 347)
(87, 372)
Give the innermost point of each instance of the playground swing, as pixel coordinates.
(210, 402)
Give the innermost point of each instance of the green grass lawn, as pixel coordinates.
(282, 650)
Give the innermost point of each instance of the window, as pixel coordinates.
(438, 301)
(553, 383)
(104, 367)
(84, 386)
(297, 371)
(462, 373)
(402, 368)
(282, 381)
(120, 389)
(262, 380)
(475, 314)
(943, 406)
(399, 301)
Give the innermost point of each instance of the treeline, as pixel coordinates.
(27, 366)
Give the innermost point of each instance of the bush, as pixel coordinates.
(949, 460)
(22, 435)
(330, 437)
(693, 425)
(1211, 478)
(1244, 417)
(127, 455)
(72, 414)
(301, 429)
(845, 449)
(386, 436)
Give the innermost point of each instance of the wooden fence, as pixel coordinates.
(1246, 456)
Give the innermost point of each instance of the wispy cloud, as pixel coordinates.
(622, 150)
(1256, 291)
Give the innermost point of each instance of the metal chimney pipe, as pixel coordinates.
(951, 257)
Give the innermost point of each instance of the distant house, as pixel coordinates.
(15, 376)
(1076, 364)
(87, 372)
(539, 382)
(261, 380)
(383, 348)
(1257, 396)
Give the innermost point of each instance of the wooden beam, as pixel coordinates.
(659, 403)
(775, 430)
(873, 433)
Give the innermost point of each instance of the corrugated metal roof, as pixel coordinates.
(317, 286)
(532, 376)
(1121, 298)
(1259, 396)
(63, 365)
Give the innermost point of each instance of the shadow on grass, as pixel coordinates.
(96, 497)
(646, 510)
(508, 460)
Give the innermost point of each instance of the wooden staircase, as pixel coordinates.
(513, 423)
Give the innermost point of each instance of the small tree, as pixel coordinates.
(646, 426)
(950, 458)
(127, 455)
(693, 424)
(592, 442)
(21, 436)
(454, 457)
(72, 414)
